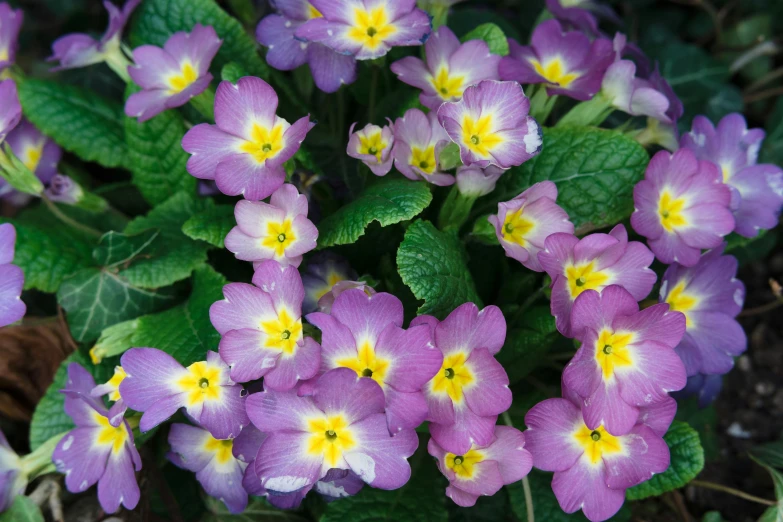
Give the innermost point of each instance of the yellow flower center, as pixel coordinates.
(3, 54)
(446, 86)
(477, 135)
(201, 383)
(264, 143)
(108, 435)
(331, 437)
(283, 333)
(671, 212)
(279, 236)
(453, 377)
(179, 82)
(612, 351)
(366, 363)
(597, 443)
(585, 277)
(222, 449)
(312, 12)
(371, 28)
(463, 465)
(516, 227)
(726, 172)
(332, 279)
(680, 301)
(31, 155)
(424, 159)
(554, 72)
(372, 145)
(114, 382)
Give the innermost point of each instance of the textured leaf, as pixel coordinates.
(493, 35)
(258, 509)
(232, 71)
(528, 342)
(388, 202)
(156, 20)
(115, 248)
(432, 264)
(595, 171)
(687, 461)
(185, 332)
(211, 225)
(78, 119)
(23, 509)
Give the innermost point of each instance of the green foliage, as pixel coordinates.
(258, 509)
(772, 149)
(773, 513)
(23, 509)
(211, 225)
(528, 341)
(749, 249)
(493, 35)
(115, 248)
(232, 71)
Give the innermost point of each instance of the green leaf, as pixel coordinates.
(528, 342)
(16, 173)
(23, 509)
(156, 20)
(185, 332)
(772, 149)
(687, 461)
(78, 119)
(769, 454)
(749, 249)
(157, 160)
(387, 202)
(174, 256)
(115, 248)
(449, 157)
(232, 71)
(212, 225)
(493, 35)
(257, 510)
(432, 264)
(595, 171)
(774, 513)
(712, 516)
(484, 232)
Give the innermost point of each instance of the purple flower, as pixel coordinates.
(96, 451)
(245, 151)
(342, 425)
(474, 182)
(80, 50)
(63, 189)
(112, 389)
(626, 359)
(593, 263)
(10, 109)
(12, 308)
(10, 24)
(593, 468)
(373, 146)
(276, 230)
(261, 327)
(37, 152)
(336, 484)
(757, 190)
(635, 96)
(682, 206)
(419, 140)
(323, 271)
(366, 29)
(523, 224)
(484, 470)
(326, 302)
(471, 389)
(172, 75)
(567, 63)
(156, 384)
(581, 13)
(706, 388)
(450, 68)
(329, 68)
(364, 333)
(710, 296)
(491, 125)
(13, 480)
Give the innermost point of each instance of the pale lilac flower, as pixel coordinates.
(326, 302)
(13, 480)
(10, 109)
(581, 14)
(157, 385)
(682, 206)
(172, 75)
(245, 151)
(373, 146)
(364, 333)
(419, 140)
(276, 230)
(10, 24)
(261, 329)
(593, 263)
(336, 484)
(37, 152)
(366, 29)
(449, 69)
(474, 182)
(624, 90)
(329, 68)
(491, 125)
(523, 224)
(112, 389)
(323, 271)
(484, 470)
(12, 308)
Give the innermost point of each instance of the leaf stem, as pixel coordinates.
(68, 221)
(731, 491)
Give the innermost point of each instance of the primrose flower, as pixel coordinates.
(329, 68)
(523, 224)
(419, 140)
(338, 483)
(484, 470)
(276, 230)
(567, 63)
(96, 451)
(581, 14)
(112, 389)
(261, 325)
(13, 480)
(593, 468)
(12, 308)
(63, 189)
(245, 151)
(157, 385)
(710, 296)
(366, 29)
(37, 152)
(474, 182)
(342, 425)
(593, 263)
(326, 302)
(633, 95)
(10, 24)
(373, 146)
(449, 69)
(172, 75)
(10, 108)
(323, 271)
(491, 125)
(364, 333)
(471, 389)
(757, 190)
(682, 206)
(705, 387)
(626, 359)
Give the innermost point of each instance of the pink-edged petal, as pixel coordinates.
(381, 460)
(271, 411)
(284, 464)
(644, 454)
(488, 394)
(367, 316)
(244, 306)
(467, 328)
(300, 366)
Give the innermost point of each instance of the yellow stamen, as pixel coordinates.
(371, 28)
(279, 236)
(681, 301)
(372, 145)
(554, 72)
(478, 136)
(221, 448)
(464, 465)
(453, 377)
(366, 363)
(201, 383)
(597, 443)
(187, 75)
(612, 351)
(448, 87)
(264, 143)
(331, 437)
(115, 381)
(517, 227)
(671, 212)
(108, 435)
(423, 159)
(585, 277)
(283, 333)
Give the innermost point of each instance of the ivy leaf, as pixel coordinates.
(432, 264)
(493, 35)
(387, 202)
(157, 20)
(79, 120)
(115, 248)
(687, 461)
(528, 342)
(212, 225)
(595, 171)
(23, 509)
